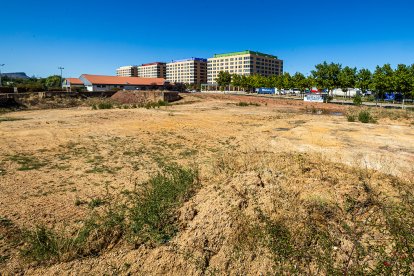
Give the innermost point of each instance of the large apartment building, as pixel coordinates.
(243, 63)
(190, 71)
(127, 71)
(153, 70)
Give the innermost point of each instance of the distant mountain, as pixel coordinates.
(17, 75)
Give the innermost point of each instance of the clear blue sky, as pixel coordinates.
(97, 36)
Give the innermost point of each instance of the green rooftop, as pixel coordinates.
(244, 53)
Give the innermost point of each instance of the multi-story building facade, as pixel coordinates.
(127, 71)
(243, 63)
(153, 70)
(190, 71)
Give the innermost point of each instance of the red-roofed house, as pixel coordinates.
(106, 83)
(72, 83)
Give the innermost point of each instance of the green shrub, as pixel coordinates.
(329, 98)
(105, 105)
(357, 100)
(351, 117)
(162, 103)
(370, 98)
(102, 105)
(155, 104)
(365, 116)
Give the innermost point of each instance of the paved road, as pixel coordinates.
(299, 98)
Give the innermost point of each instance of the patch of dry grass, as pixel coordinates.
(312, 217)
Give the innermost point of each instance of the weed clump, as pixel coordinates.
(351, 117)
(247, 104)
(96, 202)
(365, 117)
(156, 104)
(149, 215)
(152, 216)
(27, 163)
(43, 244)
(102, 105)
(105, 105)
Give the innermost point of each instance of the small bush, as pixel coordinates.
(156, 104)
(102, 105)
(357, 100)
(105, 105)
(329, 99)
(162, 103)
(365, 116)
(370, 98)
(351, 117)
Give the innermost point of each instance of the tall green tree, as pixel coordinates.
(310, 81)
(246, 83)
(287, 80)
(382, 80)
(236, 80)
(327, 75)
(258, 81)
(403, 80)
(53, 81)
(347, 78)
(299, 81)
(412, 80)
(223, 79)
(364, 79)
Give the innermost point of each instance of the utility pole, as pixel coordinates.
(61, 70)
(1, 65)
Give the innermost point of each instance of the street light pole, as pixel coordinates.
(1, 65)
(61, 83)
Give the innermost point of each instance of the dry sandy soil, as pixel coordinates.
(79, 154)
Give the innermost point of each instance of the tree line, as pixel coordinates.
(33, 84)
(330, 76)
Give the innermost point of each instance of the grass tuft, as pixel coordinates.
(152, 216)
(27, 163)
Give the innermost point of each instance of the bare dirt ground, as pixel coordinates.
(54, 162)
